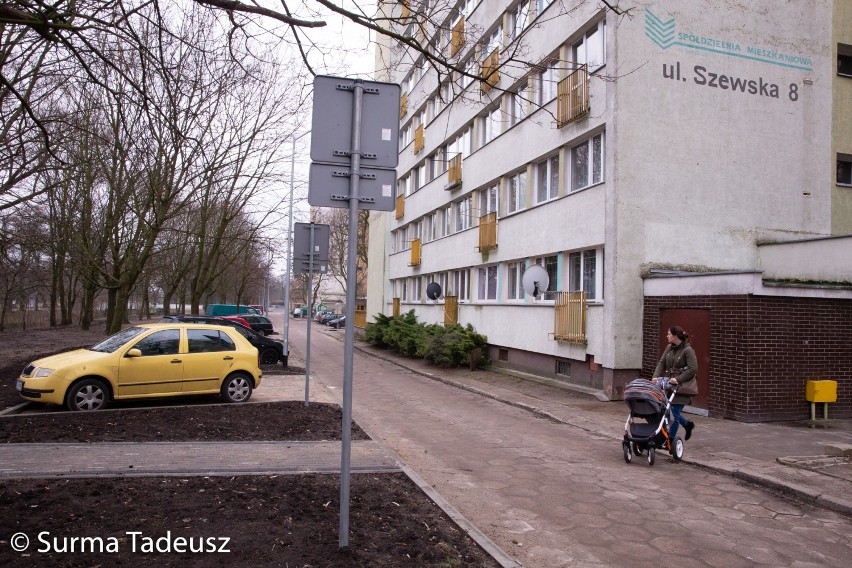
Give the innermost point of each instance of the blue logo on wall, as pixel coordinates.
(661, 31)
(660, 28)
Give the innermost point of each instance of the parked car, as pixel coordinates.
(237, 319)
(338, 323)
(228, 310)
(260, 324)
(269, 350)
(140, 362)
(258, 308)
(328, 316)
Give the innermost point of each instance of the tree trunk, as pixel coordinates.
(87, 310)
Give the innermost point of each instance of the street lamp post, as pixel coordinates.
(287, 313)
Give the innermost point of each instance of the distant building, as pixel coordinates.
(687, 163)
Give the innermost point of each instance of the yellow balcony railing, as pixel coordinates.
(570, 325)
(418, 140)
(451, 310)
(457, 38)
(395, 307)
(572, 97)
(415, 253)
(454, 172)
(489, 71)
(488, 232)
(400, 207)
(406, 10)
(403, 105)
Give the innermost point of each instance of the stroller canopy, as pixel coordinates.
(645, 398)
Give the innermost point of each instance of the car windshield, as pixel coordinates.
(110, 344)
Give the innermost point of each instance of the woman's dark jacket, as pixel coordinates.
(681, 363)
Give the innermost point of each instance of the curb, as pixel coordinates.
(801, 492)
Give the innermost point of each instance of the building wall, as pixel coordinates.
(763, 351)
(703, 173)
(841, 202)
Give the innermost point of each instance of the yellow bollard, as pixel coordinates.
(820, 391)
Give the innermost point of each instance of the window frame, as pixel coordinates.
(589, 144)
(551, 170)
(514, 279)
(844, 170)
(580, 276)
(516, 192)
(844, 60)
(580, 49)
(487, 283)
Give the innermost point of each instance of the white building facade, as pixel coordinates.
(677, 137)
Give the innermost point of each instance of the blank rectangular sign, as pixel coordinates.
(328, 186)
(331, 125)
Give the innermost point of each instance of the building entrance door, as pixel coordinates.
(697, 324)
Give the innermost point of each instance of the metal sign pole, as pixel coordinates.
(310, 314)
(351, 267)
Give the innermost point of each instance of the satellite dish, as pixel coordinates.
(433, 291)
(535, 280)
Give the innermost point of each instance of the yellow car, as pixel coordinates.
(146, 361)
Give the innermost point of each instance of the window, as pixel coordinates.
(405, 136)
(209, 341)
(413, 231)
(543, 4)
(419, 176)
(431, 226)
(587, 163)
(517, 191)
(438, 162)
(466, 78)
(488, 200)
(164, 342)
(547, 80)
(844, 169)
(463, 213)
(491, 125)
(488, 282)
(495, 39)
(520, 18)
(591, 49)
(844, 60)
(516, 290)
(547, 179)
(417, 290)
(461, 284)
(520, 100)
(583, 273)
(447, 220)
(551, 265)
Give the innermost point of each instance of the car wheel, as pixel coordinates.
(237, 388)
(269, 355)
(88, 394)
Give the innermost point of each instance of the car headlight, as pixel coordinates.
(42, 372)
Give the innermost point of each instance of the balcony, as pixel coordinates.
(405, 10)
(572, 97)
(400, 207)
(451, 310)
(457, 39)
(488, 232)
(454, 173)
(418, 140)
(415, 253)
(403, 105)
(570, 325)
(395, 307)
(489, 70)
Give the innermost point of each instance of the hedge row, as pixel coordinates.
(443, 346)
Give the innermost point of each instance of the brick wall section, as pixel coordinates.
(763, 350)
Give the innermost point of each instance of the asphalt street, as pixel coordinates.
(552, 494)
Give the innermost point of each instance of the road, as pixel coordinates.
(552, 495)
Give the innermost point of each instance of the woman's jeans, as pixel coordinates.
(678, 419)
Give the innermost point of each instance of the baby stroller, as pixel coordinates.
(648, 400)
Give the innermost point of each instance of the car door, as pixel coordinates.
(159, 369)
(209, 357)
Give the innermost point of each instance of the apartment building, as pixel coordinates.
(675, 163)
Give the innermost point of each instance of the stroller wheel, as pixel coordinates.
(677, 448)
(651, 456)
(636, 449)
(628, 457)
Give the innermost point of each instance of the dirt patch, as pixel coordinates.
(284, 520)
